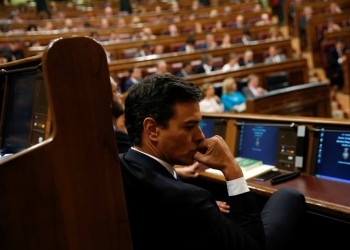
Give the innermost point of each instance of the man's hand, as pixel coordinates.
(223, 207)
(214, 153)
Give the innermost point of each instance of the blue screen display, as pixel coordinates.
(207, 127)
(19, 110)
(259, 142)
(333, 156)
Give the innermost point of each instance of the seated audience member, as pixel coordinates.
(108, 11)
(176, 18)
(192, 16)
(68, 25)
(14, 50)
(198, 28)
(253, 88)
(164, 129)
(274, 34)
(158, 49)
(147, 34)
(226, 41)
(195, 5)
(48, 26)
(248, 59)
(162, 67)
(213, 13)
(257, 7)
(104, 23)
(246, 37)
(334, 8)
(233, 100)
(189, 45)
(336, 57)
(121, 23)
(135, 76)
(124, 143)
(95, 35)
(232, 64)
(172, 28)
(239, 22)
(264, 20)
(330, 27)
(210, 101)
(218, 26)
(206, 65)
(186, 69)
(113, 36)
(210, 42)
(274, 55)
(32, 27)
(144, 51)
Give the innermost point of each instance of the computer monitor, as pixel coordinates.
(331, 154)
(273, 143)
(213, 126)
(277, 81)
(25, 109)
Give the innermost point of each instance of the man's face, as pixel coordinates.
(179, 141)
(136, 73)
(272, 51)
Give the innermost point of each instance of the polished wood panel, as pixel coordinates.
(67, 192)
(309, 100)
(296, 70)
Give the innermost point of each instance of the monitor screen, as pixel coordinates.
(18, 112)
(211, 127)
(258, 142)
(273, 144)
(333, 156)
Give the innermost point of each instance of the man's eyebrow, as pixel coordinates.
(192, 122)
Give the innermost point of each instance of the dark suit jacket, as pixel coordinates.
(128, 83)
(333, 66)
(167, 214)
(242, 63)
(247, 93)
(200, 69)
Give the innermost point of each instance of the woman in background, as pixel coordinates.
(210, 101)
(233, 100)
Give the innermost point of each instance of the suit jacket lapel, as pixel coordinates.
(142, 160)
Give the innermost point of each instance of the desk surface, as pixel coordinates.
(324, 196)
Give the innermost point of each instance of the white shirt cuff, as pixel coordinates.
(237, 186)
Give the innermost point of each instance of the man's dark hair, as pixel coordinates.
(155, 96)
(185, 63)
(131, 69)
(191, 40)
(247, 32)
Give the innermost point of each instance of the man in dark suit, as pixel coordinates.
(186, 69)
(206, 65)
(246, 37)
(162, 117)
(248, 59)
(275, 55)
(336, 57)
(189, 45)
(135, 77)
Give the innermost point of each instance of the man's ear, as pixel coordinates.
(151, 128)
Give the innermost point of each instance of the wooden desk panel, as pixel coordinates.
(311, 100)
(175, 57)
(296, 69)
(324, 196)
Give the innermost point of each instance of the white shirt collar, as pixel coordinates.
(167, 166)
